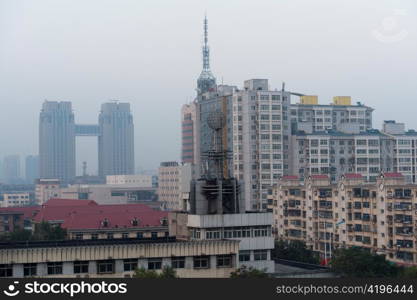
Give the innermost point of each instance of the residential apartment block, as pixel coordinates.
(376, 215)
(369, 152)
(261, 139)
(340, 115)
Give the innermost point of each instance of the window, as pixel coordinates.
(6, 270)
(105, 266)
(79, 236)
(125, 235)
(80, 267)
(224, 261)
(201, 262)
(154, 263)
(130, 264)
(244, 255)
(94, 236)
(139, 235)
(178, 262)
(29, 270)
(54, 268)
(260, 255)
(212, 234)
(110, 236)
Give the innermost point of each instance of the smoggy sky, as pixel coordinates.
(148, 53)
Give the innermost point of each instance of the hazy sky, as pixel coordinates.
(148, 53)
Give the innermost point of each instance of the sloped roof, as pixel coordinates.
(87, 214)
(289, 177)
(353, 176)
(393, 175)
(319, 176)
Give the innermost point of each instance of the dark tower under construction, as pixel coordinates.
(216, 192)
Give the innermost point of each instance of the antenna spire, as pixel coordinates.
(206, 81)
(206, 50)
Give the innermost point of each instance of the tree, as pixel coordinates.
(359, 262)
(20, 235)
(167, 272)
(294, 250)
(408, 272)
(143, 273)
(44, 231)
(17, 234)
(245, 272)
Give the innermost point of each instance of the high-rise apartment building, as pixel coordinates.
(57, 141)
(261, 139)
(379, 215)
(31, 168)
(116, 140)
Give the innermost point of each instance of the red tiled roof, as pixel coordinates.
(319, 177)
(116, 219)
(87, 214)
(353, 175)
(290, 177)
(69, 202)
(393, 175)
(90, 215)
(28, 211)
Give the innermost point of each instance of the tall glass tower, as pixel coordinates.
(57, 141)
(116, 140)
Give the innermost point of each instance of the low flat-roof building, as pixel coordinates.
(118, 258)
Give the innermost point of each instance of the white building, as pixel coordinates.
(46, 189)
(261, 131)
(15, 199)
(109, 193)
(174, 185)
(253, 230)
(132, 180)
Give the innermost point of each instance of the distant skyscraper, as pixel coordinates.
(32, 168)
(11, 169)
(116, 140)
(189, 133)
(57, 141)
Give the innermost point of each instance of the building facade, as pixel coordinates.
(376, 215)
